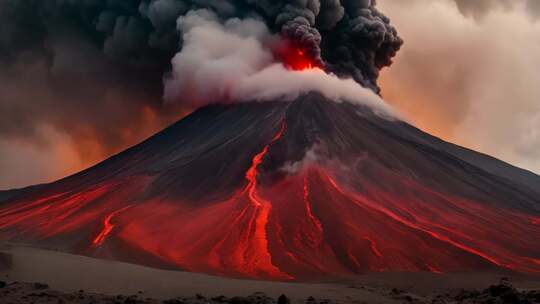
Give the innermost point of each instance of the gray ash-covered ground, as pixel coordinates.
(37, 293)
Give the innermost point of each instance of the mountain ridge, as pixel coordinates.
(289, 190)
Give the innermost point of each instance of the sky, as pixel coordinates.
(467, 72)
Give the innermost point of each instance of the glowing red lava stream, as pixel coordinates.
(367, 203)
(309, 212)
(373, 247)
(107, 227)
(262, 211)
(433, 269)
(251, 174)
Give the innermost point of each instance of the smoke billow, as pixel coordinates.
(232, 61)
(350, 38)
(93, 70)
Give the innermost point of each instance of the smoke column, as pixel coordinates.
(93, 71)
(349, 38)
(234, 61)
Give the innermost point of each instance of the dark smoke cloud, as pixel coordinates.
(232, 61)
(352, 37)
(94, 69)
(59, 70)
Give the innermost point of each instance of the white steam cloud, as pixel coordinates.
(233, 61)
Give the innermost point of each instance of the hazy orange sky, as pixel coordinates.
(468, 72)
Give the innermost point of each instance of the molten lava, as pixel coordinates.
(259, 221)
(309, 212)
(251, 174)
(221, 192)
(107, 227)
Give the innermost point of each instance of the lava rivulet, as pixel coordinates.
(262, 210)
(229, 191)
(311, 216)
(107, 227)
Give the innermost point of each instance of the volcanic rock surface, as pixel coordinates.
(289, 191)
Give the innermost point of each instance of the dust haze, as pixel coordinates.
(468, 73)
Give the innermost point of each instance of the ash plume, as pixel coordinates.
(351, 38)
(94, 69)
(231, 61)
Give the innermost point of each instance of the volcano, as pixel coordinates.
(289, 191)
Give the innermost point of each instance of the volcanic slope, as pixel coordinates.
(289, 191)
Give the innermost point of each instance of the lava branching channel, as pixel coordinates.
(179, 199)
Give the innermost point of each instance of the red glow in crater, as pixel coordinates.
(296, 59)
(299, 61)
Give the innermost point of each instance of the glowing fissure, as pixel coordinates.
(68, 208)
(23, 217)
(365, 202)
(262, 210)
(433, 269)
(309, 212)
(24, 211)
(51, 215)
(216, 257)
(353, 259)
(373, 247)
(252, 255)
(25, 206)
(236, 236)
(279, 224)
(290, 254)
(108, 227)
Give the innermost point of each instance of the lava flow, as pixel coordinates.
(309, 212)
(258, 247)
(380, 196)
(107, 227)
(251, 174)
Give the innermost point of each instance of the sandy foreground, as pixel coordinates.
(71, 278)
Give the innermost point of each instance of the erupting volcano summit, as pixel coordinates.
(289, 191)
(290, 168)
